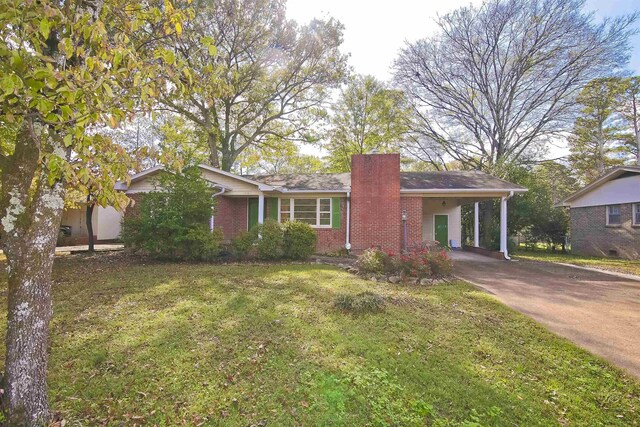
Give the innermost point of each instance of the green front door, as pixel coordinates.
(253, 213)
(441, 223)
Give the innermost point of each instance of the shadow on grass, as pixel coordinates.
(174, 343)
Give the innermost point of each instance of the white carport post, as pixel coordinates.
(261, 209)
(476, 224)
(503, 227)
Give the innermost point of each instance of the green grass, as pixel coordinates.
(612, 264)
(180, 344)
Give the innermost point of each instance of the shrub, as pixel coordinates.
(372, 261)
(200, 243)
(243, 242)
(423, 261)
(271, 239)
(299, 240)
(364, 302)
(173, 223)
(413, 264)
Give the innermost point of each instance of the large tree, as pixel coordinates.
(596, 142)
(64, 66)
(368, 116)
(278, 157)
(499, 80)
(629, 110)
(254, 74)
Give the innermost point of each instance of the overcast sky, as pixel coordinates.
(375, 30)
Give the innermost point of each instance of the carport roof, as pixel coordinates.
(455, 180)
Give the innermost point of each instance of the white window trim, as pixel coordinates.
(317, 199)
(635, 206)
(607, 211)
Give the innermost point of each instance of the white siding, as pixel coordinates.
(621, 190)
(108, 221)
(431, 207)
(236, 187)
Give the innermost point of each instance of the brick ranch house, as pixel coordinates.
(374, 205)
(605, 215)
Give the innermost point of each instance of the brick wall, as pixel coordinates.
(333, 239)
(375, 202)
(230, 216)
(591, 236)
(413, 208)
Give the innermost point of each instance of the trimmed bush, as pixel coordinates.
(270, 240)
(364, 302)
(299, 240)
(243, 243)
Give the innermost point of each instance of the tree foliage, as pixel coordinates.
(629, 110)
(596, 142)
(278, 157)
(64, 67)
(173, 223)
(255, 74)
(498, 80)
(368, 116)
(605, 132)
(534, 214)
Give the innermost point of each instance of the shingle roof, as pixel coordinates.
(307, 182)
(458, 180)
(441, 180)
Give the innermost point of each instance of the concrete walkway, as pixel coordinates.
(598, 311)
(84, 248)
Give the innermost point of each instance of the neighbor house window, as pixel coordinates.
(315, 212)
(636, 214)
(613, 215)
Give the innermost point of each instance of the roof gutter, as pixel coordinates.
(213, 196)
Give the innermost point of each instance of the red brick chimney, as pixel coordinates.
(375, 202)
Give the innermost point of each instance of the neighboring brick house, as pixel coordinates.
(374, 205)
(605, 215)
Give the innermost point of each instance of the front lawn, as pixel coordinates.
(612, 264)
(180, 344)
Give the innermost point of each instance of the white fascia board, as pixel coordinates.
(261, 186)
(288, 191)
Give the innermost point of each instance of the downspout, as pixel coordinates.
(211, 220)
(506, 246)
(347, 244)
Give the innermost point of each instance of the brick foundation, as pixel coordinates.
(375, 202)
(591, 236)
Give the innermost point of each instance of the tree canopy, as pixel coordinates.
(254, 74)
(499, 80)
(368, 116)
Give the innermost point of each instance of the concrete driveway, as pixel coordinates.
(598, 311)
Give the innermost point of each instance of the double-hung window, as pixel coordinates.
(315, 212)
(636, 214)
(613, 215)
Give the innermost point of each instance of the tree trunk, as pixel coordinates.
(89, 220)
(212, 141)
(31, 212)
